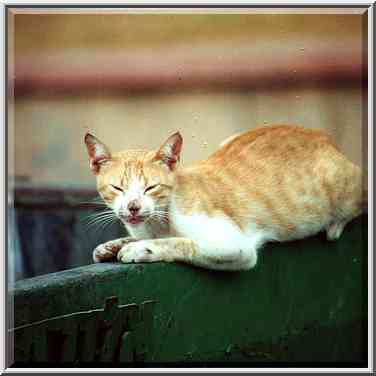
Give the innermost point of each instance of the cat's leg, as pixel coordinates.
(351, 203)
(108, 251)
(207, 255)
(334, 230)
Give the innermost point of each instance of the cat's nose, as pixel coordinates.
(134, 207)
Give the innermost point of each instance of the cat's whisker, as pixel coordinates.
(96, 217)
(160, 216)
(99, 216)
(98, 225)
(93, 203)
(163, 217)
(105, 224)
(100, 213)
(153, 217)
(97, 201)
(99, 228)
(160, 207)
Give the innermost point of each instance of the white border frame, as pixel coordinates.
(275, 4)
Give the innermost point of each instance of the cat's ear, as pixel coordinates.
(98, 152)
(169, 152)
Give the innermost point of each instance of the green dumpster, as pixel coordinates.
(305, 304)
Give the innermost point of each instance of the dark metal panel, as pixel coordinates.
(86, 336)
(304, 302)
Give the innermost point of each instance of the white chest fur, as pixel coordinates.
(216, 232)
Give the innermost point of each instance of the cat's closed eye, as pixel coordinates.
(151, 188)
(116, 188)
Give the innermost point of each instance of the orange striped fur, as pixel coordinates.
(274, 183)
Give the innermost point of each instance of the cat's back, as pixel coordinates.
(287, 179)
(280, 143)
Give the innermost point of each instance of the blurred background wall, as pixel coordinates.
(134, 78)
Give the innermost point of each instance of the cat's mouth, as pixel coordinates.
(132, 219)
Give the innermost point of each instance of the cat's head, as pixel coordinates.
(135, 184)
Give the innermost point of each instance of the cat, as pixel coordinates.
(274, 183)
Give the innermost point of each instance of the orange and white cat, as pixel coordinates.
(275, 183)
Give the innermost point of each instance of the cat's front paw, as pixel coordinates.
(108, 251)
(139, 251)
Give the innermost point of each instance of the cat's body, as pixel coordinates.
(275, 183)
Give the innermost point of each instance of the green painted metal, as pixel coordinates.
(304, 303)
(88, 336)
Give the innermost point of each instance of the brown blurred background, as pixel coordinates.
(133, 78)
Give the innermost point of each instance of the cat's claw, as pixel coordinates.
(137, 252)
(107, 251)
